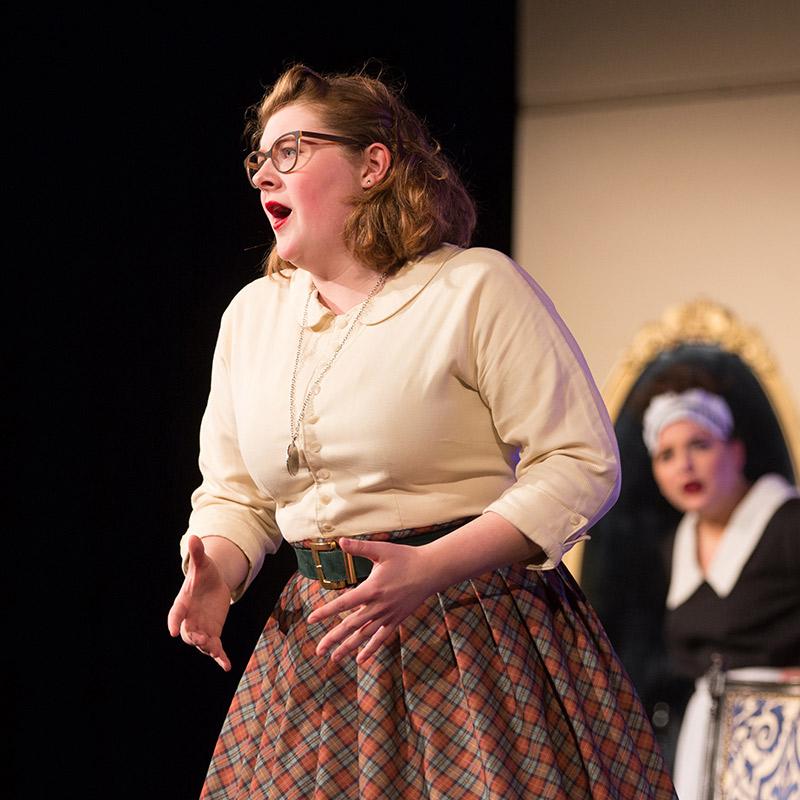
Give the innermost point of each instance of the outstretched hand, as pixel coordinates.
(398, 584)
(201, 606)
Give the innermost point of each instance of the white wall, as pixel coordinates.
(658, 160)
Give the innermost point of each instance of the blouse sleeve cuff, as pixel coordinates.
(252, 545)
(544, 520)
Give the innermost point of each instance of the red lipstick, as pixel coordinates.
(278, 212)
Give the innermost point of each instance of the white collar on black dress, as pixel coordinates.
(742, 533)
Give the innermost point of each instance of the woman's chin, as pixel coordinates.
(289, 254)
(686, 503)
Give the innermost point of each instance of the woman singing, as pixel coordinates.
(417, 421)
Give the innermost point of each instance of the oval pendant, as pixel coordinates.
(292, 460)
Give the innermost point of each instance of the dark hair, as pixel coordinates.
(697, 365)
(680, 377)
(419, 204)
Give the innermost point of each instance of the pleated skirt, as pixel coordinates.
(501, 687)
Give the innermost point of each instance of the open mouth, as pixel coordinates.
(693, 487)
(278, 210)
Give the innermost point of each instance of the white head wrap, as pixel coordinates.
(698, 405)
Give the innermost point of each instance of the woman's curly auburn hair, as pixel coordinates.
(418, 205)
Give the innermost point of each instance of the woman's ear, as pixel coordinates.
(377, 160)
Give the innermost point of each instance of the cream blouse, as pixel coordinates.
(460, 391)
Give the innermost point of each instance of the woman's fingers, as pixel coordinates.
(197, 556)
(199, 611)
(382, 635)
(213, 648)
(180, 607)
(346, 601)
(355, 640)
(334, 607)
(364, 642)
(196, 549)
(363, 594)
(177, 614)
(349, 626)
(208, 645)
(391, 592)
(223, 662)
(194, 637)
(366, 548)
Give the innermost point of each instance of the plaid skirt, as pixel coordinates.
(501, 687)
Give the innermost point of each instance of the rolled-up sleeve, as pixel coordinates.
(543, 401)
(228, 503)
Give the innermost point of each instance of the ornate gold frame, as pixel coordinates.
(700, 322)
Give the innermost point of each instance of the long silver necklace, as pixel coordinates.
(292, 455)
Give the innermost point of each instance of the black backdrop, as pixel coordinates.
(134, 228)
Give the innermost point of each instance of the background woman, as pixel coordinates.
(734, 562)
(417, 421)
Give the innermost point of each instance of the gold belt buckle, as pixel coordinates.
(324, 546)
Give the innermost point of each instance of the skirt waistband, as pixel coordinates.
(323, 559)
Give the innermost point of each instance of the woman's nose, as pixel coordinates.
(267, 176)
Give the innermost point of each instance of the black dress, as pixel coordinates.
(747, 608)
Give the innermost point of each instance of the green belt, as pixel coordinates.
(325, 561)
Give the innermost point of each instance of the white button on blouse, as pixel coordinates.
(459, 391)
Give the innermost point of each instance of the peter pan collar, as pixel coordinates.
(406, 284)
(400, 289)
(742, 533)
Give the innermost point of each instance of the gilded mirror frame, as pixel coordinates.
(702, 322)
